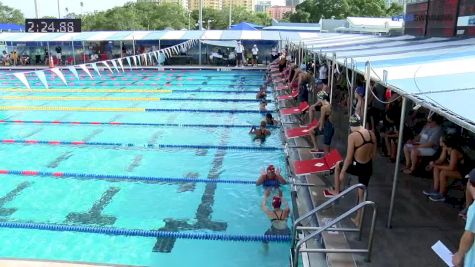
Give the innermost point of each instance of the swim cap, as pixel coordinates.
(355, 120)
(276, 202)
(322, 95)
(271, 168)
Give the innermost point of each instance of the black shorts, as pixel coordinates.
(254, 56)
(327, 132)
(281, 67)
(362, 171)
(239, 56)
(324, 81)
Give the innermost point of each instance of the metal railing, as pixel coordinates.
(296, 244)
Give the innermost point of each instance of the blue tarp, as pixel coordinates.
(5, 27)
(245, 26)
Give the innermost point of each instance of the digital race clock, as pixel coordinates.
(52, 25)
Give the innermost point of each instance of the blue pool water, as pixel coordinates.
(232, 209)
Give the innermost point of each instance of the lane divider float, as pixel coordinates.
(130, 145)
(144, 233)
(79, 98)
(112, 109)
(95, 176)
(117, 123)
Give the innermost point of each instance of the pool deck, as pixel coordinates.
(417, 222)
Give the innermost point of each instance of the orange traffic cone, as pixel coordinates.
(51, 62)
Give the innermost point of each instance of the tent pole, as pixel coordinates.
(368, 83)
(332, 72)
(74, 54)
(353, 85)
(83, 52)
(159, 48)
(133, 43)
(199, 53)
(398, 156)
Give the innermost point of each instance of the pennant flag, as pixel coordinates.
(107, 66)
(176, 49)
(139, 60)
(150, 58)
(114, 65)
(73, 71)
(128, 61)
(94, 66)
(155, 55)
(42, 77)
(60, 74)
(121, 64)
(22, 78)
(86, 70)
(145, 59)
(135, 60)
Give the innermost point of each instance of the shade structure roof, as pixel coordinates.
(438, 73)
(155, 35)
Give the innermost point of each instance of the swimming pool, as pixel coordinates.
(122, 168)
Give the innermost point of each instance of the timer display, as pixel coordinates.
(52, 25)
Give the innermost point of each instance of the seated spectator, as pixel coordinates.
(25, 59)
(270, 120)
(6, 58)
(425, 144)
(450, 165)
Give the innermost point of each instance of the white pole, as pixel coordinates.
(200, 22)
(59, 13)
(36, 9)
(230, 13)
(368, 81)
(398, 156)
(332, 72)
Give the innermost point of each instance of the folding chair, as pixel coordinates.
(319, 165)
(300, 131)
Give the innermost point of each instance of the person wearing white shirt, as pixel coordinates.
(239, 49)
(254, 50)
(322, 74)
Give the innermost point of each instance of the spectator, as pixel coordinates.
(322, 74)
(359, 96)
(274, 54)
(465, 255)
(239, 49)
(58, 50)
(254, 51)
(324, 126)
(468, 195)
(25, 59)
(6, 58)
(450, 165)
(424, 145)
(390, 132)
(14, 58)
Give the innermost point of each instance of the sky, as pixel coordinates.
(50, 7)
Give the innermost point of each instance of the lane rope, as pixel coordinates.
(79, 98)
(143, 233)
(130, 145)
(75, 90)
(95, 176)
(116, 123)
(45, 108)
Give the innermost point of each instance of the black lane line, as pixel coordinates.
(135, 163)
(94, 215)
(10, 196)
(55, 163)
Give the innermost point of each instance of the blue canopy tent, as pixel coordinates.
(245, 26)
(10, 27)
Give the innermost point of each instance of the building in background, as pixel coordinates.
(262, 6)
(183, 3)
(277, 12)
(215, 4)
(248, 4)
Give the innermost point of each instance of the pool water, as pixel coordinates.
(206, 118)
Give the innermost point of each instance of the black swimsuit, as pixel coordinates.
(362, 170)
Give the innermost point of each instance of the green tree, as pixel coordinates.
(394, 10)
(11, 15)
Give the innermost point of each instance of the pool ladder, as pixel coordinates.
(297, 228)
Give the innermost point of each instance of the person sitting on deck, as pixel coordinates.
(271, 178)
(260, 133)
(450, 165)
(360, 153)
(425, 144)
(324, 126)
(278, 216)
